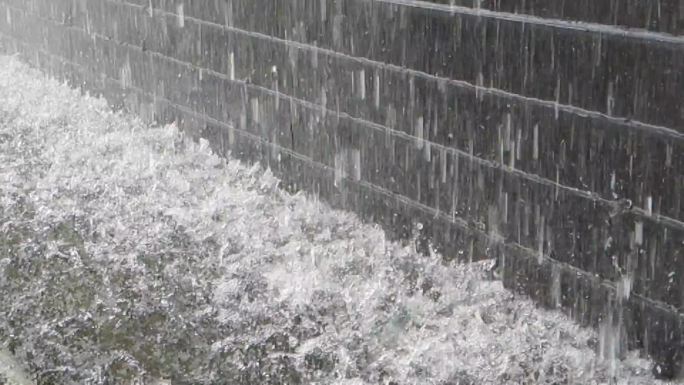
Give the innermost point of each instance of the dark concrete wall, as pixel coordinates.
(504, 128)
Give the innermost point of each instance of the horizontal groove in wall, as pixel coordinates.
(528, 254)
(632, 33)
(639, 212)
(661, 16)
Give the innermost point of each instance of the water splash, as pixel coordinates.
(150, 257)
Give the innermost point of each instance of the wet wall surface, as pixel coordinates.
(548, 134)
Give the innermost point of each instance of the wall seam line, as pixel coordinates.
(579, 26)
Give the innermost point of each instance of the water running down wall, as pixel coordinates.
(549, 135)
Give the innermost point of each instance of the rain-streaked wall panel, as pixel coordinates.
(547, 134)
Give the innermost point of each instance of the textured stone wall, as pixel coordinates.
(546, 133)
